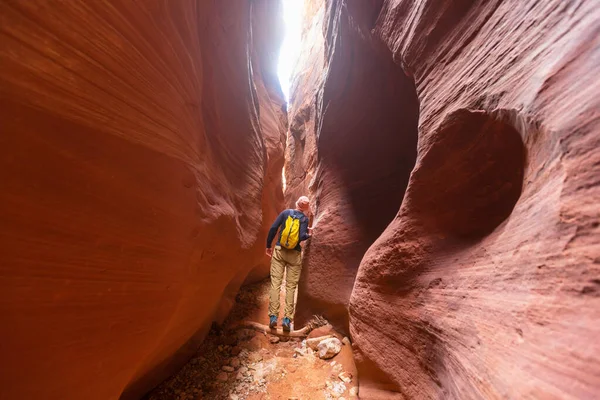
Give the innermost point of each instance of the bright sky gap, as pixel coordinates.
(290, 48)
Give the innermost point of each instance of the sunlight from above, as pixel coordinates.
(290, 48)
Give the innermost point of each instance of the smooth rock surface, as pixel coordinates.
(140, 166)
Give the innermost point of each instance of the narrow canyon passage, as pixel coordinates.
(448, 149)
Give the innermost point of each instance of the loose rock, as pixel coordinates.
(223, 377)
(274, 339)
(329, 348)
(235, 362)
(255, 357)
(227, 368)
(345, 377)
(314, 342)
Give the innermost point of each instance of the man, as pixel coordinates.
(287, 257)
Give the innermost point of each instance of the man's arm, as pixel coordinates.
(304, 229)
(274, 229)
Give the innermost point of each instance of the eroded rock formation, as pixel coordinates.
(141, 150)
(364, 158)
(484, 284)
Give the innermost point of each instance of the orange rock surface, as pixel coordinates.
(140, 164)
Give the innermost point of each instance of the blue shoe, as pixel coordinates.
(273, 322)
(287, 324)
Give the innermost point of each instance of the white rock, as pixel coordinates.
(329, 348)
(314, 342)
(345, 377)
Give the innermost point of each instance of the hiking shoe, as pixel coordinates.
(287, 324)
(273, 322)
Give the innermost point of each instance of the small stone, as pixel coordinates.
(222, 377)
(233, 396)
(227, 368)
(345, 377)
(255, 357)
(299, 351)
(243, 369)
(314, 342)
(274, 339)
(329, 348)
(235, 350)
(235, 362)
(254, 344)
(346, 341)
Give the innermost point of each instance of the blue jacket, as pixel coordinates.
(280, 222)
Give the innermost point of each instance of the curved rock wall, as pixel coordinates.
(141, 149)
(485, 283)
(365, 115)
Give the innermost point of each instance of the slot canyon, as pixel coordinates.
(449, 150)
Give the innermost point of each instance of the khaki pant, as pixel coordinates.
(290, 261)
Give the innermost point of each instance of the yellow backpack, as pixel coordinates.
(290, 236)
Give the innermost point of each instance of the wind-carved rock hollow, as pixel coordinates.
(476, 274)
(449, 149)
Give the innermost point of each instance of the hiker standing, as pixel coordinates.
(287, 256)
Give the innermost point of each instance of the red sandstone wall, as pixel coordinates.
(485, 283)
(348, 137)
(140, 151)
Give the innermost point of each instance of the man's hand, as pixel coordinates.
(310, 230)
(269, 252)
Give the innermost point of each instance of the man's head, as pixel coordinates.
(303, 204)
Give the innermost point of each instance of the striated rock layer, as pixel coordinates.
(365, 129)
(485, 282)
(141, 149)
